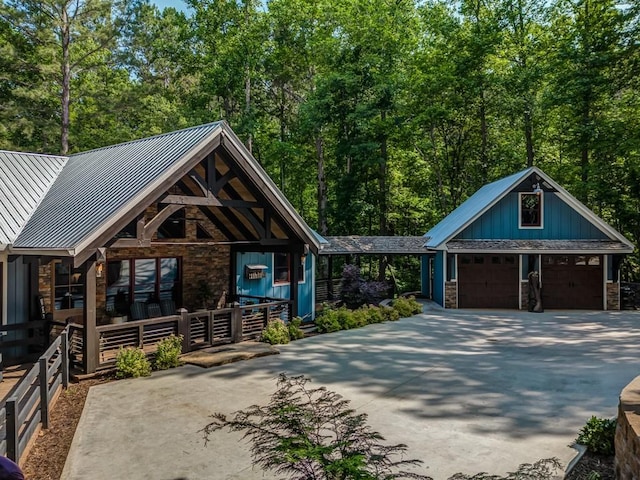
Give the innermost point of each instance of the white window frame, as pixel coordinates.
(530, 227)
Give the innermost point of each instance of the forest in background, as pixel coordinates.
(374, 117)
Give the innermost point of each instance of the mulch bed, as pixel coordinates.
(48, 454)
(590, 464)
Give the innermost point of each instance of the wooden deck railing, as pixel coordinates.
(28, 407)
(200, 329)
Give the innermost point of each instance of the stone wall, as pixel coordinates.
(451, 295)
(524, 295)
(613, 296)
(627, 463)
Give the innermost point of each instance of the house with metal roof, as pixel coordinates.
(114, 241)
(486, 249)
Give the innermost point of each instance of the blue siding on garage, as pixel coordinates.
(560, 221)
(264, 287)
(438, 279)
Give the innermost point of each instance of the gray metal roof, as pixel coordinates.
(94, 185)
(379, 245)
(25, 178)
(538, 246)
(472, 208)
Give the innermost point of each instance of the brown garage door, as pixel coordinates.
(488, 281)
(572, 281)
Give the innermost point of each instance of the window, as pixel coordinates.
(142, 280)
(68, 287)
(281, 273)
(174, 226)
(530, 210)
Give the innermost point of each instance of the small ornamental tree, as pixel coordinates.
(356, 291)
(311, 433)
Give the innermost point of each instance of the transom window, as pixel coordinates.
(281, 272)
(530, 210)
(142, 280)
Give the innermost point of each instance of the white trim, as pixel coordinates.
(605, 275)
(455, 263)
(540, 195)
(313, 289)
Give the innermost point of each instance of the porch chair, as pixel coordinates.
(139, 311)
(168, 307)
(154, 310)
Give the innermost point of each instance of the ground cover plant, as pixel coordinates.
(307, 433)
(598, 435)
(343, 318)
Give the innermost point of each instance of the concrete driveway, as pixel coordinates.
(467, 391)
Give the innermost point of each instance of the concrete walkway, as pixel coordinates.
(467, 391)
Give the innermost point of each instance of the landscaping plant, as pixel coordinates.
(356, 291)
(275, 333)
(132, 362)
(407, 306)
(168, 352)
(598, 435)
(311, 433)
(295, 332)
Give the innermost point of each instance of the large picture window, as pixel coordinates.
(530, 210)
(281, 272)
(142, 280)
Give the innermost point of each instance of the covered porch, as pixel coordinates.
(142, 240)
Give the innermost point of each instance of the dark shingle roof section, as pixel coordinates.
(94, 185)
(373, 245)
(536, 246)
(25, 178)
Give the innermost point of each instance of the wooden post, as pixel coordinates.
(233, 265)
(184, 329)
(64, 347)
(236, 325)
(209, 337)
(13, 443)
(90, 343)
(44, 391)
(330, 278)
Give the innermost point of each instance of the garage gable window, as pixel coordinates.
(530, 210)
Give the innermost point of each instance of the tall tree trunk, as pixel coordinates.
(66, 80)
(382, 187)
(322, 186)
(247, 105)
(528, 134)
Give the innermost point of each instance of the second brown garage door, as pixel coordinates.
(572, 281)
(488, 281)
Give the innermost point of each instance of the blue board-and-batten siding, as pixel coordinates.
(264, 287)
(438, 279)
(560, 222)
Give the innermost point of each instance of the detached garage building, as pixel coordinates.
(486, 248)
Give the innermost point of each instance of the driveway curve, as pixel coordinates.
(467, 391)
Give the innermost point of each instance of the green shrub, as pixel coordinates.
(295, 332)
(346, 319)
(374, 314)
(168, 352)
(390, 314)
(132, 362)
(276, 333)
(407, 306)
(327, 322)
(360, 317)
(598, 435)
